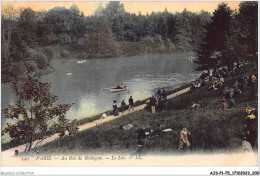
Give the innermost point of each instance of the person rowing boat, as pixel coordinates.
(119, 87)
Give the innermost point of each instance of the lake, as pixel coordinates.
(87, 84)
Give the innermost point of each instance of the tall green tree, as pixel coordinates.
(99, 37)
(183, 38)
(28, 25)
(77, 22)
(212, 51)
(247, 20)
(114, 14)
(9, 15)
(59, 20)
(35, 113)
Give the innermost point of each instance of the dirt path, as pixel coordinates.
(10, 152)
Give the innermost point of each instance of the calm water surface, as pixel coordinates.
(87, 84)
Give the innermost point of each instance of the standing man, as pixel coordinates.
(153, 102)
(184, 139)
(131, 103)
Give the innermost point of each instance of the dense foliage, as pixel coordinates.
(221, 38)
(35, 116)
(110, 31)
(230, 37)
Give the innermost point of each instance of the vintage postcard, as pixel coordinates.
(130, 83)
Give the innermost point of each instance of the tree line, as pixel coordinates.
(230, 36)
(218, 38)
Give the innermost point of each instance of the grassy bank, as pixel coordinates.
(211, 128)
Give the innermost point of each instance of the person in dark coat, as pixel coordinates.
(152, 103)
(123, 106)
(160, 104)
(164, 94)
(141, 137)
(115, 110)
(251, 127)
(131, 103)
(159, 91)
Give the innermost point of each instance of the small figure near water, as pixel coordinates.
(131, 103)
(123, 106)
(115, 110)
(152, 103)
(120, 86)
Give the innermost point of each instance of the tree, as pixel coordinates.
(34, 113)
(114, 14)
(10, 15)
(59, 19)
(247, 30)
(27, 25)
(99, 9)
(171, 23)
(212, 51)
(77, 22)
(198, 22)
(99, 37)
(183, 37)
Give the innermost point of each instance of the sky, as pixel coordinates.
(144, 7)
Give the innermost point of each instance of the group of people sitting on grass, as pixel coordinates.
(144, 134)
(158, 101)
(218, 82)
(147, 133)
(229, 94)
(228, 101)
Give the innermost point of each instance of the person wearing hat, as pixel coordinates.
(115, 110)
(184, 138)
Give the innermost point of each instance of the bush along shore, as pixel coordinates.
(211, 127)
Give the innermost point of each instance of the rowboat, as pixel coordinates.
(115, 89)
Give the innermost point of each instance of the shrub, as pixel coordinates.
(49, 52)
(64, 53)
(41, 60)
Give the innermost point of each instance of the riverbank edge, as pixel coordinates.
(137, 103)
(84, 121)
(76, 51)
